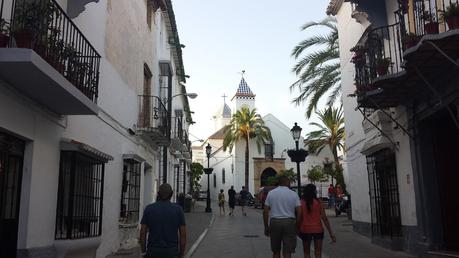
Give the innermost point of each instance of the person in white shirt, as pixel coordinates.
(282, 217)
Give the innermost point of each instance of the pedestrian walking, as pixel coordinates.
(165, 222)
(331, 196)
(282, 217)
(244, 196)
(231, 200)
(311, 229)
(221, 202)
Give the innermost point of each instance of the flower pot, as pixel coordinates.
(381, 70)
(23, 39)
(453, 22)
(431, 28)
(55, 62)
(4, 39)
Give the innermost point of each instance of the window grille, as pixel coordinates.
(223, 176)
(80, 196)
(215, 181)
(384, 196)
(130, 192)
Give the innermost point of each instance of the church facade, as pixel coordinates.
(270, 160)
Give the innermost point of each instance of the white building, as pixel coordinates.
(229, 166)
(92, 118)
(401, 122)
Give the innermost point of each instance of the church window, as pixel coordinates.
(223, 176)
(215, 181)
(269, 151)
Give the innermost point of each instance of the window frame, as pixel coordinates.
(130, 192)
(78, 213)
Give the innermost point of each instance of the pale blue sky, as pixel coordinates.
(224, 37)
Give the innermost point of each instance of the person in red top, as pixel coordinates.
(313, 214)
(331, 196)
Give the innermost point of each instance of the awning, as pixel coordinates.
(134, 157)
(73, 145)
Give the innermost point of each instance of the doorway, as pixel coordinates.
(440, 138)
(11, 163)
(267, 173)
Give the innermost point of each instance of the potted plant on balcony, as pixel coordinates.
(55, 46)
(382, 65)
(451, 16)
(430, 23)
(4, 32)
(31, 23)
(410, 40)
(359, 55)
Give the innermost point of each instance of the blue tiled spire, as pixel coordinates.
(244, 89)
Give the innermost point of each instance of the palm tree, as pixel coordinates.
(330, 134)
(318, 71)
(246, 125)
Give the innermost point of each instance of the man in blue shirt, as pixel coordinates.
(244, 195)
(164, 222)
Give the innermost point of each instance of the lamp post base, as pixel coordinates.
(208, 210)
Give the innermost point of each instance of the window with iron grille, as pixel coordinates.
(384, 196)
(215, 181)
(80, 196)
(223, 176)
(130, 192)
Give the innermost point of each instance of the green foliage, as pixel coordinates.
(451, 11)
(196, 173)
(330, 131)
(318, 71)
(289, 173)
(330, 134)
(316, 174)
(271, 181)
(246, 125)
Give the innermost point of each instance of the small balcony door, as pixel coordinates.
(145, 113)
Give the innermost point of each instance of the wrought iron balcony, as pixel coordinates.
(179, 136)
(153, 120)
(411, 59)
(429, 17)
(378, 59)
(31, 27)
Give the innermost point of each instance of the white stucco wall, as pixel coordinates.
(355, 163)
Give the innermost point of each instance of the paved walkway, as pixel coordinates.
(242, 237)
(197, 221)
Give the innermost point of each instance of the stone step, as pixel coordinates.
(443, 254)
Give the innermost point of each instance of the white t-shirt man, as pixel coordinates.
(282, 202)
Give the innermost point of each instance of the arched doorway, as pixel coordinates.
(268, 172)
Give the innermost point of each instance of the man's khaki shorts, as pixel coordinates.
(283, 234)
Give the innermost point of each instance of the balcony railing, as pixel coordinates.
(153, 116)
(430, 17)
(379, 56)
(42, 25)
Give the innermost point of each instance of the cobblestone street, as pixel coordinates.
(242, 237)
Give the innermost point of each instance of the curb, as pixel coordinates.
(200, 238)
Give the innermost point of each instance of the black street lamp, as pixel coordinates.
(208, 171)
(297, 155)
